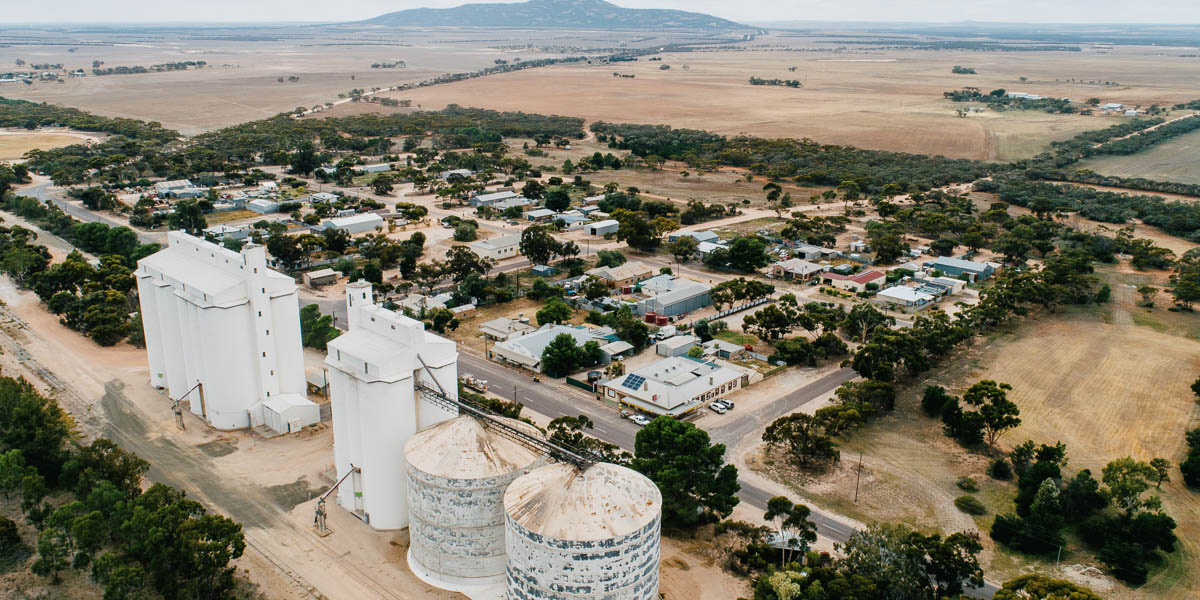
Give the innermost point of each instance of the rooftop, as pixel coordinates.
(958, 263)
(500, 241)
(673, 381)
(464, 448)
(564, 502)
(864, 277)
(629, 270)
(902, 293)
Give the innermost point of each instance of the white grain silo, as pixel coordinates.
(458, 471)
(374, 371)
(582, 534)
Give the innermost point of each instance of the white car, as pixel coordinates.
(718, 408)
(727, 405)
(640, 420)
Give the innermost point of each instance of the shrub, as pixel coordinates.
(970, 505)
(967, 484)
(1000, 469)
(934, 400)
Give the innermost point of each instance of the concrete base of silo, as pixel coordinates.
(475, 588)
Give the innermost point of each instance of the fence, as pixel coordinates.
(583, 385)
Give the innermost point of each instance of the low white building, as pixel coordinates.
(268, 187)
(678, 345)
(796, 268)
(602, 227)
(355, 224)
(263, 206)
(499, 247)
(674, 386)
(904, 297)
(526, 350)
(376, 371)
(223, 333)
(377, 168)
(227, 232)
(503, 328)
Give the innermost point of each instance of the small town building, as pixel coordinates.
(169, 189)
(322, 198)
(807, 252)
(854, 282)
(904, 297)
(268, 187)
(492, 198)
(320, 277)
(954, 267)
(673, 386)
(518, 202)
(227, 232)
(526, 351)
(377, 168)
(263, 206)
(464, 173)
(624, 275)
(723, 349)
(602, 227)
(355, 224)
(540, 215)
(676, 346)
(617, 350)
(699, 236)
(498, 248)
(504, 328)
(797, 269)
(544, 270)
(572, 222)
(466, 311)
(670, 296)
(950, 285)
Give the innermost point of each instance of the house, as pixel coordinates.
(807, 252)
(588, 210)
(464, 173)
(950, 285)
(268, 187)
(227, 232)
(667, 295)
(602, 227)
(723, 349)
(676, 346)
(263, 206)
(859, 246)
(593, 199)
(617, 350)
(673, 386)
(543, 270)
(797, 269)
(503, 328)
(854, 282)
(490, 199)
(1112, 106)
(519, 202)
(526, 350)
(573, 222)
(955, 267)
(169, 189)
(499, 247)
(623, 275)
(706, 248)
(699, 236)
(904, 297)
(322, 198)
(355, 224)
(466, 311)
(377, 168)
(540, 215)
(1132, 113)
(319, 278)
(418, 303)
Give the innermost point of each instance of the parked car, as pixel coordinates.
(640, 420)
(724, 403)
(718, 408)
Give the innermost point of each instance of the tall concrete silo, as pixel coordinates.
(582, 534)
(458, 471)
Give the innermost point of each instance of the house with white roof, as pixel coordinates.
(904, 298)
(797, 269)
(673, 386)
(492, 198)
(499, 247)
(526, 350)
(355, 224)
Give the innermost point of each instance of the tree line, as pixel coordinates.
(87, 502)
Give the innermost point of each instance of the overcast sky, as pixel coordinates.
(1025, 11)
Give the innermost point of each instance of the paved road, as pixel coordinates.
(42, 192)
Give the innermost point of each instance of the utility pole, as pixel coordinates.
(514, 392)
(858, 477)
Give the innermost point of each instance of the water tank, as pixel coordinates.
(457, 473)
(578, 534)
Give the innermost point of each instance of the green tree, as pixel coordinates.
(538, 245)
(465, 232)
(1041, 587)
(998, 413)
(1126, 480)
(684, 248)
(609, 258)
(557, 200)
(461, 263)
(554, 311)
(569, 432)
(562, 356)
(12, 471)
(796, 532)
(696, 484)
(381, 184)
(54, 551)
(748, 253)
(804, 437)
(188, 216)
(316, 330)
(305, 159)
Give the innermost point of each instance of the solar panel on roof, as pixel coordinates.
(634, 382)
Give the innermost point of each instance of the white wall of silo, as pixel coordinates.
(152, 332)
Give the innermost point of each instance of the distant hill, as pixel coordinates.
(552, 14)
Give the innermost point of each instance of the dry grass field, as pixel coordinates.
(882, 99)
(1108, 381)
(1175, 160)
(14, 144)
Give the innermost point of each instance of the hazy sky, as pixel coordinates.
(1056, 11)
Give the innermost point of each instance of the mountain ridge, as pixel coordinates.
(553, 14)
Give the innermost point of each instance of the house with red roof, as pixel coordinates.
(856, 282)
